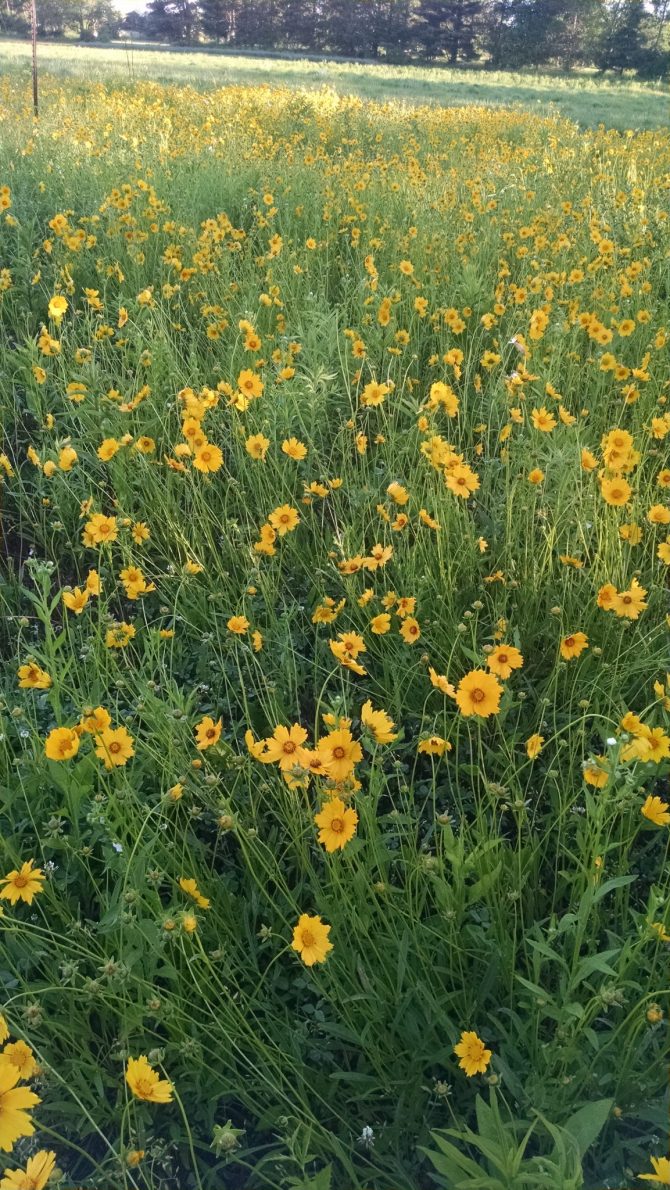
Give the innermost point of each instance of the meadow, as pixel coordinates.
(335, 743)
(585, 96)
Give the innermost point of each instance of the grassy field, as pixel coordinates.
(334, 692)
(581, 96)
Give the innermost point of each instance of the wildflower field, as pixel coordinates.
(334, 804)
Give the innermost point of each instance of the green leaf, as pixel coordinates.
(588, 1122)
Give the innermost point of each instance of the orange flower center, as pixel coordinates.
(115, 746)
(307, 938)
(337, 825)
(289, 747)
(339, 752)
(569, 641)
(478, 695)
(20, 881)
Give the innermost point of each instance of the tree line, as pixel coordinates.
(609, 34)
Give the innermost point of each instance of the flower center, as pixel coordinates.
(289, 747)
(307, 938)
(569, 640)
(478, 695)
(339, 752)
(337, 825)
(20, 881)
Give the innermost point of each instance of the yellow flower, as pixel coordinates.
(435, 745)
(534, 745)
(57, 307)
(22, 884)
(75, 601)
(656, 810)
(410, 630)
(21, 1056)
(337, 824)
(571, 646)
(294, 449)
(31, 677)
(310, 940)
(145, 1082)
(257, 446)
(35, 1176)
(472, 1054)
(479, 693)
(378, 723)
(661, 1174)
(62, 743)
(14, 1102)
(503, 660)
(381, 624)
(284, 519)
(208, 458)
(339, 752)
(616, 492)
(238, 624)
(207, 732)
(114, 747)
(189, 886)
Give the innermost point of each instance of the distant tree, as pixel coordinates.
(622, 44)
(449, 27)
(217, 19)
(172, 20)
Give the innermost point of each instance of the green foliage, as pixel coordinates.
(486, 889)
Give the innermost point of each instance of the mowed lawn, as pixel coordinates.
(583, 96)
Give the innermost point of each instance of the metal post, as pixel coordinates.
(33, 23)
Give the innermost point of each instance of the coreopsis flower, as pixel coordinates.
(119, 636)
(190, 886)
(285, 747)
(75, 601)
(207, 732)
(378, 723)
(32, 677)
(380, 625)
(503, 659)
(57, 308)
(114, 747)
(434, 745)
(22, 884)
(441, 683)
(571, 646)
(534, 745)
(337, 824)
(294, 449)
(479, 693)
(93, 583)
(596, 772)
(21, 1056)
(310, 940)
(238, 625)
(374, 394)
(35, 1174)
(405, 606)
(284, 519)
(249, 384)
(616, 492)
(661, 1174)
(655, 810)
(208, 458)
(536, 476)
(257, 446)
(339, 752)
(14, 1104)
(145, 1082)
(410, 630)
(462, 480)
(543, 420)
(62, 743)
(473, 1056)
(100, 530)
(631, 603)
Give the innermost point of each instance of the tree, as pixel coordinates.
(621, 46)
(172, 20)
(448, 27)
